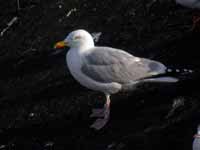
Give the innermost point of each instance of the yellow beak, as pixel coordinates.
(60, 44)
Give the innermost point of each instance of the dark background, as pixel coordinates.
(43, 107)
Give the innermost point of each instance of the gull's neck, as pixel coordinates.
(83, 47)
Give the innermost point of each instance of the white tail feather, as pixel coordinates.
(161, 79)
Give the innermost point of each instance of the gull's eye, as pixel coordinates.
(77, 37)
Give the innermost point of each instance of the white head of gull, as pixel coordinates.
(107, 69)
(196, 142)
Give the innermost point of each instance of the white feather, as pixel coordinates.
(161, 79)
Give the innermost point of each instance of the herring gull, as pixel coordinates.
(189, 3)
(196, 142)
(194, 4)
(108, 70)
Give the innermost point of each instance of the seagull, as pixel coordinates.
(196, 142)
(189, 3)
(108, 70)
(194, 4)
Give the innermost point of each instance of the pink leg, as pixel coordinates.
(98, 112)
(101, 122)
(196, 22)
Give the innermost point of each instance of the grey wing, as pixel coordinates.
(107, 65)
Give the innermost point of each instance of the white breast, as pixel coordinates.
(74, 63)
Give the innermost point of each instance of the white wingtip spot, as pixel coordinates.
(185, 70)
(190, 71)
(177, 70)
(169, 70)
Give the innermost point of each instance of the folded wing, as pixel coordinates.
(107, 65)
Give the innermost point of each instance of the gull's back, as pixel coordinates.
(105, 64)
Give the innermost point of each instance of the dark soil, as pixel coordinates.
(43, 107)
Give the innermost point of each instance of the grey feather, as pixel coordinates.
(104, 64)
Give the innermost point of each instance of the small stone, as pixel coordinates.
(190, 71)
(49, 144)
(2, 146)
(31, 114)
(169, 70)
(185, 70)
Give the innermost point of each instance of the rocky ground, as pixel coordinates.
(43, 107)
